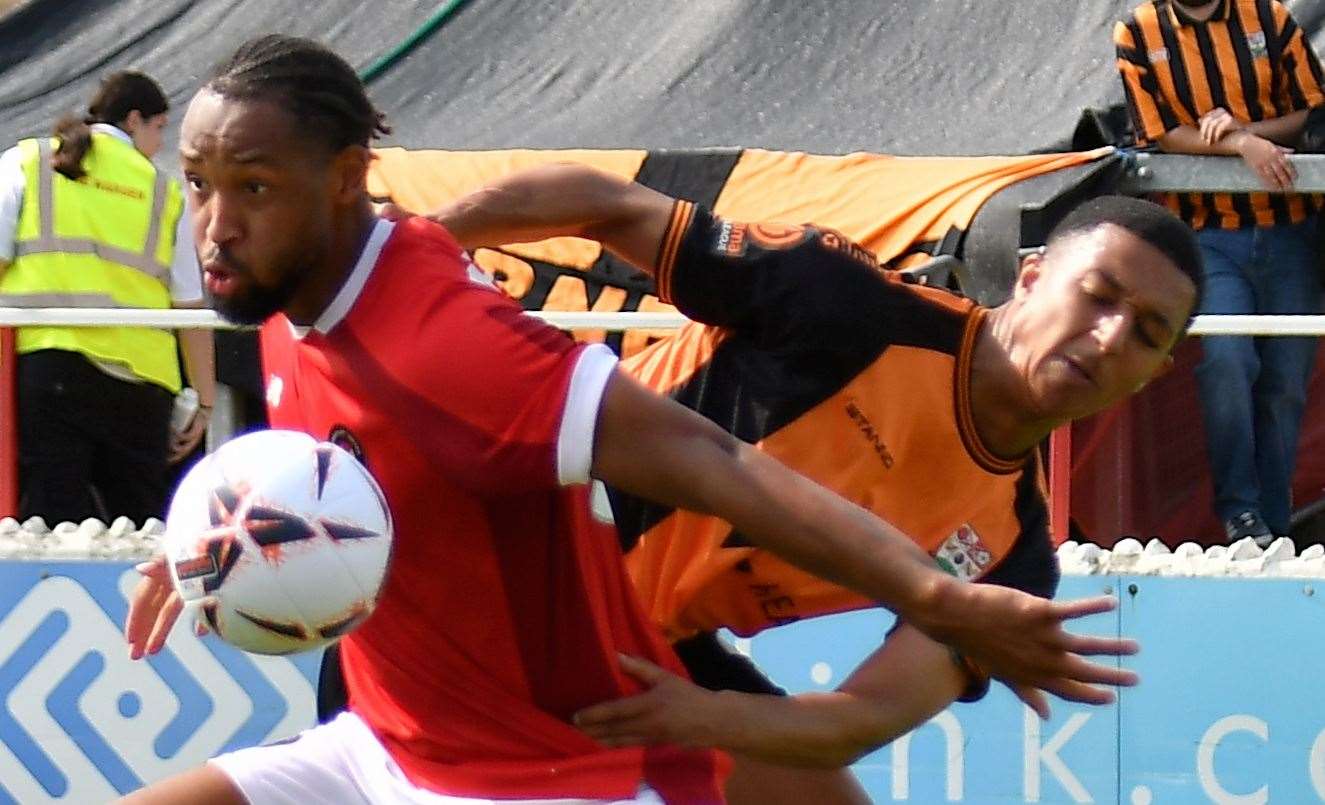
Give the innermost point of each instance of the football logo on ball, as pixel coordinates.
(280, 541)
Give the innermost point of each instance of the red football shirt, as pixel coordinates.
(503, 609)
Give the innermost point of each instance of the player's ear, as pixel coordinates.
(1032, 266)
(349, 172)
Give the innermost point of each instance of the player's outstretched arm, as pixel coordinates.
(900, 686)
(656, 449)
(558, 200)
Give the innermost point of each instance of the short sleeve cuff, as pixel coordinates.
(12, 186)
(575, 438)
(185, 273)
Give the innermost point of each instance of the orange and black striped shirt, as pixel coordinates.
(848, 375)
(1250, 58)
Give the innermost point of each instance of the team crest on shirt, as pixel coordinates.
(1158, 55)
(343, 438)
(1256, 44)
(963, 555)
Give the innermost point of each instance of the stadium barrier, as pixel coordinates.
(1216, 719)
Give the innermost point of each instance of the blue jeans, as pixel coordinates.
(1253, 389)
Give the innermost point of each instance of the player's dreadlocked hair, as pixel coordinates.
(316, 85)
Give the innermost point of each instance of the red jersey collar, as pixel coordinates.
(345, 298)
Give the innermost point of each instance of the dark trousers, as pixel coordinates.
(80, 429)
(1254, 390)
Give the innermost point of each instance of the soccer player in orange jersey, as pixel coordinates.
(917, 404)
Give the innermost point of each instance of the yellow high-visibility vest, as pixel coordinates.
(106, 240)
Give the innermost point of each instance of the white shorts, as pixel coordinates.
(342, 762)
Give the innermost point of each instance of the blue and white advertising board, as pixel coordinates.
(82, 723)
(1229, 709)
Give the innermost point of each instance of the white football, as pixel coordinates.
(280, 541)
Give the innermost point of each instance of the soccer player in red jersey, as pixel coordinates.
(921, 405)
(504, 612)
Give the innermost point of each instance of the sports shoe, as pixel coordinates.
(1248, 524)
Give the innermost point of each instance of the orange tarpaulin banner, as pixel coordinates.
(893, 206)
(887, 204)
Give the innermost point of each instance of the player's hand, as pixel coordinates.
(1216, 124)
(1019, 639)
(182, 444)
(1269, 160)
(153, 609)
(673, 711)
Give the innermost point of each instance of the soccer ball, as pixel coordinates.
(280, 542)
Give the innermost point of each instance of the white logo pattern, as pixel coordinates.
(130, 706)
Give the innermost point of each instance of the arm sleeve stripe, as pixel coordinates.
(682, 213)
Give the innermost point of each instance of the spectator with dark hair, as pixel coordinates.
(86, 220)
(1237, 78)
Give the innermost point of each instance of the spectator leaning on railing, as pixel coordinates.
(86, 220)
(1237, 78)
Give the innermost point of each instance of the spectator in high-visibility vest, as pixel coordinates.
(86, 220)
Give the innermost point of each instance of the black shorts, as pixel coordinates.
(332, 697)
(717, 666)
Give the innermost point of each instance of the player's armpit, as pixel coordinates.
(563, 200)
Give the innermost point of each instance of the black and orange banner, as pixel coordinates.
(898, 207)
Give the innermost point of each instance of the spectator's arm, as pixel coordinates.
(199, 359)
(1284, 130)
(1151, 114)
(1267, 159)
(186, 293)
(197, 346)
(1297, 82)
(1188, 140)
(200, 371)
(12, 187)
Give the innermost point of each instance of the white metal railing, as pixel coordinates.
(209, 320)
(227, 412)
(567, 320)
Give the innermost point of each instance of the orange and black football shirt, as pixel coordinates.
(1250, 58)
(852, 377)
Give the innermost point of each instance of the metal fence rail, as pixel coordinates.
(1149, 172)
